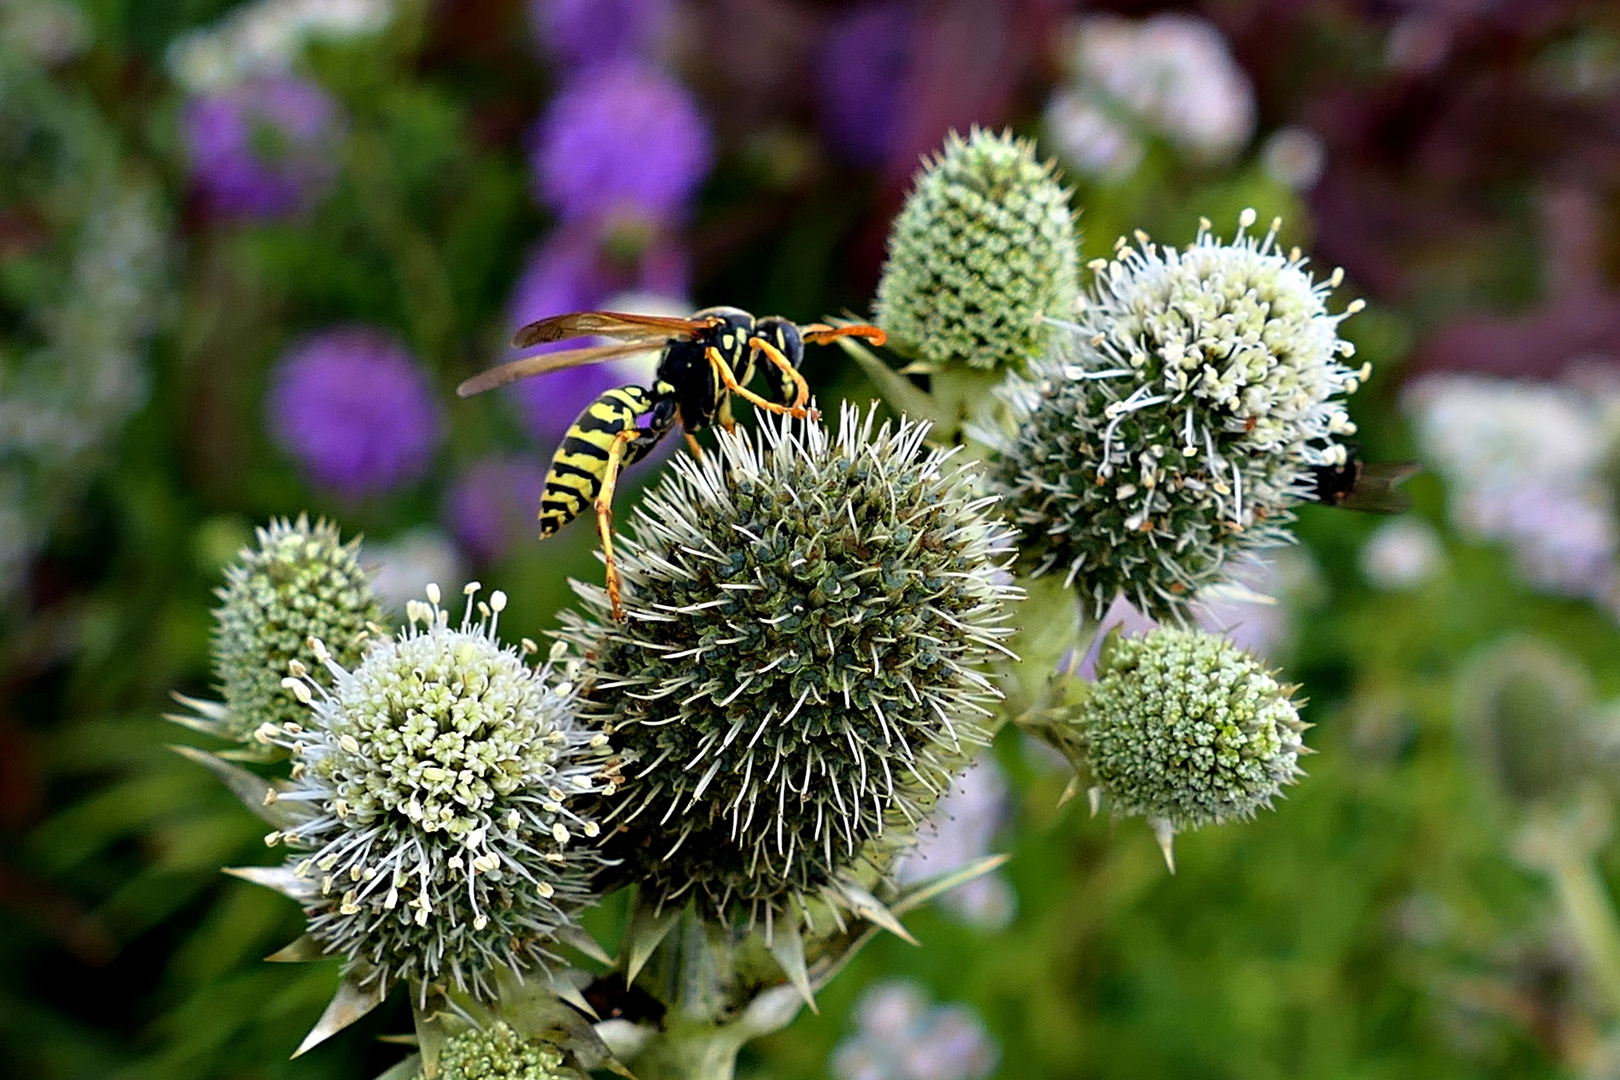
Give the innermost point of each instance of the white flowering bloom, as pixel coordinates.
(1171, 74)
(405, 565)
(961, 830)
(267, 37)
(50, 31)
(443, 779)
(1402, 554)
(899, 1036)
(1524, 462)
(1089, 137)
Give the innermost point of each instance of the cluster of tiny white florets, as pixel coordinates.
(1176, 423)
(1185, 729)
(808, 617)
(443, 777)
(499, 1053)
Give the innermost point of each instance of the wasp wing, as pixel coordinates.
(614, 324)
(1369, 487)
(514, 370)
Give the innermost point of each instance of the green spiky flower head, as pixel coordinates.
(443, 778)
(1176, 423)
(1185, 729)
(301, 582)
(800, 670)
(497, 1052)
(984, 247)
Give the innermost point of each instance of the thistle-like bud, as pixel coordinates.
(1176, 422)
(301, 583)
(1185, 729)
(499, 1053)
(443, 777)
(800, 670)
(984, 247)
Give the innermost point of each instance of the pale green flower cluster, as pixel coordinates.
(983, 250)
(1176, 422)
(301, 582)
(499, 1053)
(443, 776)
(1185, 729)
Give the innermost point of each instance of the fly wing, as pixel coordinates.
(1376, 489)
(514, 370)
(614, 324)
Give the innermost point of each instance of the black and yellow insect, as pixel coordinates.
(1359, 485)
(703, 361)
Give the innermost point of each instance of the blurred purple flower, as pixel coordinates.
(582, 33)
(571, 272)
(863, 67)
(621, 141)
(492, 505)
(354, 409)
(264, 148)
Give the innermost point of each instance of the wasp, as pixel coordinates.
(1358, 485)
(703, 362)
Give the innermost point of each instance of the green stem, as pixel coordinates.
(1591, 917)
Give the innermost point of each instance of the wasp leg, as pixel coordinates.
(727, 421)
(723, 369)
(693, 445)
(604, 515)
(774, 355)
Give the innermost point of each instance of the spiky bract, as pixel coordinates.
(499, 1053)
(1175, 423)
(302, 582)
(1185, 729)
(983, 248)
(808, 615)
(443, 776)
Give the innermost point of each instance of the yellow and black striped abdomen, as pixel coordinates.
(580, 464)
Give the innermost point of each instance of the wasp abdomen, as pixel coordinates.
(580, 465)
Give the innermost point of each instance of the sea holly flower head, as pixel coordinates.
(984, 248)
(1185, 729)
(301, 583)
(1174, 424)
(497, 1052)
(443, 778)
(800, 669)
(264, 148)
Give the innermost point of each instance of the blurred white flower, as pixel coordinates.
(1294, 157)
(267, 37)
(1402, 554)
(1525, 464)
(1171, 74)
(961, 830)
(899, 1036)
(411, 561)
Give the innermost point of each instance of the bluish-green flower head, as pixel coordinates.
(1176, 422)
(301, 582)
(444, 777)
(1185, 729)
(497, 1052)
(983, 249)
(801, 669)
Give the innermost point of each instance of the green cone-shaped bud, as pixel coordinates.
(499, 1053)
(1177, 423)
(444, 778)
(1185, 729)
(984, 247)
(302, 582)
(800, 669)
(1526, 711)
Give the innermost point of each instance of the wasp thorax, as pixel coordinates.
(801, 668)
(1179, 421)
